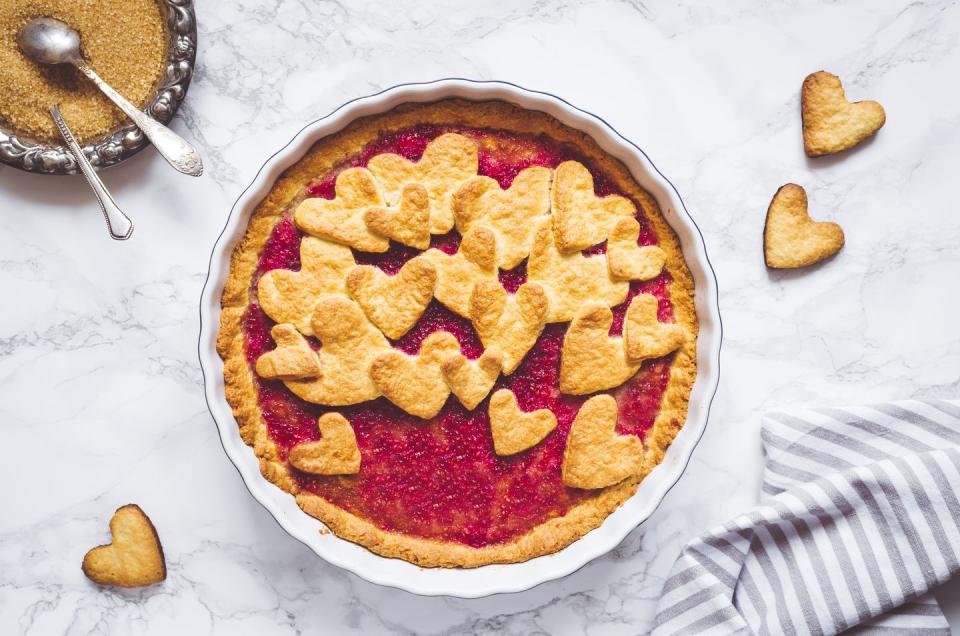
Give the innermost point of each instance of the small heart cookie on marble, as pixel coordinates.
(475, 261)
(471, 380)
(596, 456)
(626, 259)
(581, 219)
(791, 238)
(644, 336)
(416, 383)
(293, 359)
(291, 296)
(511, 324)
(593, 360)
(350, 344)
(447, 161)
(394, 303)
(341, 219)
(134, 558)
(514, 430)
(408, 223)
(335, 453)
(830, 122)
(513, 214)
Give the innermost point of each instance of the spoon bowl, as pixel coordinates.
(49, 41)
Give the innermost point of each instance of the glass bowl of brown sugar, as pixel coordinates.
(143, 48)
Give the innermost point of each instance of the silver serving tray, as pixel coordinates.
(33, 156)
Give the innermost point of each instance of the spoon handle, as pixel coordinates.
(118, 224)
(169, 144)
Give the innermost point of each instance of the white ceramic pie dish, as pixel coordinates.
(489, 579)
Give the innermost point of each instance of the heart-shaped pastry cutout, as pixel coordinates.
(476, 260)
(409, 223)
(592, 360)
(581, 219)
(830, 122)
(512, 214)
(629, 261)
(416, 383)
(791, 238)
(341, 219)
(134, 558)
(514, 430)
(644, 336)
(596, 456)
(570, 280)
(350, 344)
(290, 297)
(394, 303)
(511, 324)
(471, 380)
(447, 161)
(293, 359)
(335, 453)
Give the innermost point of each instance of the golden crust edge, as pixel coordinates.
(549, 537)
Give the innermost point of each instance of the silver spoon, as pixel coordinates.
(118, 224)
(50, 41)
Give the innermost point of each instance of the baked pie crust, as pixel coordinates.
(338, 354)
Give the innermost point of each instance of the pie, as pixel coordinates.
(459, 333)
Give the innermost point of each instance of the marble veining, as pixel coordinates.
(100, 390)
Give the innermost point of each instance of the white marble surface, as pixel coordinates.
(100, 388)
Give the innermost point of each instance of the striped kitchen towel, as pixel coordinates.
(859, 519)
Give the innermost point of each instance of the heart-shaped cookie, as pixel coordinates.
(134, 558)
(474, 261)
(416, 383)
(830, 122)
(293, 359)
(289, 296)
(644, 336)
(592, 360)
(471, 380)
(791, 238)
(626, 259)
(596, 456)
(341, 219)
(581, 219)
(514, 430)
(394, 303)
(409, 223)
(511, 324)
(335, 453)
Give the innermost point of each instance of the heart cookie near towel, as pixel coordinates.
(830, 122)
(134, 558)
(791, 238)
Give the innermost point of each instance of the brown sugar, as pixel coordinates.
(125, 42)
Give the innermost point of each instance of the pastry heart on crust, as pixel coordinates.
(394, 303)
(644, 336)
(570, 280)
(513, 214)
(447, 161)
(476, 260)
(511, 324)
(596, 456)
(408, 223)
(416, 383)
(629, 261)
(581, 219)
(791, 238)
(592, 360)
(335, 453)
(289, 296)
(830, 122)
(134, 558)
(514, 430)
(293, 359)
(471, 380)
(350, 343)
(341, 219)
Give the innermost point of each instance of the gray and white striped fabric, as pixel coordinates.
(859, 519)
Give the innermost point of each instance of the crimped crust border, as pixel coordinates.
(240, 390)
